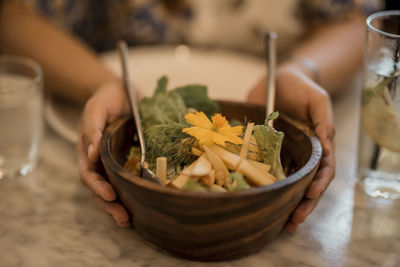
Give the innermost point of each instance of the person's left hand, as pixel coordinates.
(298, 96)
(107, 105)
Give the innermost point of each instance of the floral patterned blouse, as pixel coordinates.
(237, 24)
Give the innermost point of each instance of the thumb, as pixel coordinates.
(322, 119)
(93, 122)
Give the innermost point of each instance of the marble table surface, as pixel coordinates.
(49, 219)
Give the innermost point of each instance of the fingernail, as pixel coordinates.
(291, 228)
(313, 196)
(325, 152)
(90, 150)
(124, 224)
(121, 224)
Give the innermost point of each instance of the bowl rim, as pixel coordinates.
(106, 155)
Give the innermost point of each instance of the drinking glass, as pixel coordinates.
(379, 142)
(21, 120)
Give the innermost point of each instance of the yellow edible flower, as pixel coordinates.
(218, 131)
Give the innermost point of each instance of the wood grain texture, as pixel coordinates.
(212, 226)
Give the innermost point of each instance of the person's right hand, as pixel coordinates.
(299, 97)
(104, 107)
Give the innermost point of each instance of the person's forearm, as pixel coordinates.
(336, 50)
(71, 69)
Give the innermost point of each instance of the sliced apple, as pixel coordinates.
(221, 171)
(246, 140)
(161, 169)
(202, 166)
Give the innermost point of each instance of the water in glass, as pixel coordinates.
(21, 124)
(379, 147)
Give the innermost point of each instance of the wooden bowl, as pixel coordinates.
(212, 226)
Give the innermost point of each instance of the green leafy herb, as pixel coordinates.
(273, 116)
(161, 86)
(192, 185)
(162, 121)
(195, 96)
(134, 152)
(269, 142)
(162, 107)
(216, 188)
(168, 140)
(239, 182)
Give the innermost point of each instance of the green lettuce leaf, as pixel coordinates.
(162, 121)
(269, 142)
(162, 107)
(240, 184)
(192, 185)
(195, 96)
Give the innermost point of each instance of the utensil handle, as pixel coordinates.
(131, 93)
(270, 43)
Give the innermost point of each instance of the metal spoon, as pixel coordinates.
(270, 49)
(131, 93)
